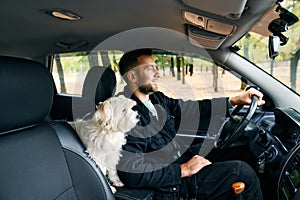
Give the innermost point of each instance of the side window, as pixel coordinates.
(192, 78)
(184, 77)
(69, 69)
(68, 73)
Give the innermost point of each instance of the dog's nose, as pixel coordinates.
(134, 108)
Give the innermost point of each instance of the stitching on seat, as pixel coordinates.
(82, 154)
(18, 129)
(68, 197)
(91, 165)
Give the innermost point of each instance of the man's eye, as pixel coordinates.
(149, 68)
(152, 67)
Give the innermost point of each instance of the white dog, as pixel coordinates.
(104, 134)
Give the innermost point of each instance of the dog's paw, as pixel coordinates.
(113, 189)
(118, 184)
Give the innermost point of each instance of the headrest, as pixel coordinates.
(99, 84)
(26, 90)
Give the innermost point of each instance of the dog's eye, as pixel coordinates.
(124, 110)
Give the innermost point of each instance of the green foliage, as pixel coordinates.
(294, 31)
(78, 61)
(74, 62)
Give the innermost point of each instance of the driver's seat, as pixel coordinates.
(40, 160)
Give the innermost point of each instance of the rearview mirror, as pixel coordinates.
(279, 25)
(274, 46)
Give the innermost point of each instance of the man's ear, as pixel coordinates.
(132, 76)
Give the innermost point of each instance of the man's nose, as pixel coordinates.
(157, 74)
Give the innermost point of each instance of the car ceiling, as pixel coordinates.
(27, 31)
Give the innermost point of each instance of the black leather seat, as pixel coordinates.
(99, 85)
(40, 160)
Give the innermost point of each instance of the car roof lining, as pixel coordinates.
(28, 32)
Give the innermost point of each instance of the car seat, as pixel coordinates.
(40, 159)
(99, 85)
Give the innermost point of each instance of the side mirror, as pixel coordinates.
(274, 46)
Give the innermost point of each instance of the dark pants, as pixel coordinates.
(214, 182)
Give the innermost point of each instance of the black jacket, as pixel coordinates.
(153, 153)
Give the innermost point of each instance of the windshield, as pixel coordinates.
(286, 66)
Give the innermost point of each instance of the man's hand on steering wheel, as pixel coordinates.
(250, 97)
(245, 98)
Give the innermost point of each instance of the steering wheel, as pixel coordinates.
(230, 134)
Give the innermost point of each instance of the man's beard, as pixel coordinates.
(147, 89)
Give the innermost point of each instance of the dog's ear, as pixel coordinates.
(98, 105)
(103, 115)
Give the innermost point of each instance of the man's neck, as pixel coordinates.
(141, 96)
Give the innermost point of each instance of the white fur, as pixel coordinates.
(104, 134)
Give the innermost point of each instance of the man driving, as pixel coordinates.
(155, 158)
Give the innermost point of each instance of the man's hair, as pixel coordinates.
(129, 59)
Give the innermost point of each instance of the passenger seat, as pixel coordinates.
(99, 85)
(40, 160)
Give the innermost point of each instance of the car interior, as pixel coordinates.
(41, 155)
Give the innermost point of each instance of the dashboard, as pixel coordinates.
(279, 142)
(287, 129)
